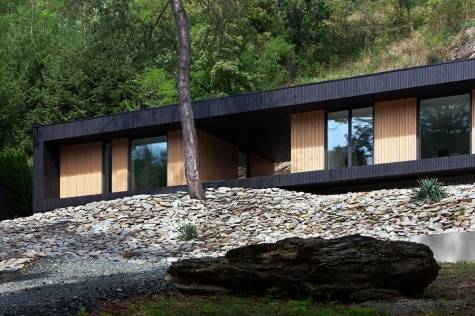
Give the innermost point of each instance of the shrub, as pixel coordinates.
(430, 190)
(187, 231)
(16, 175)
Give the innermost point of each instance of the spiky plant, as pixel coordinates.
(187, 231)
(430, 190)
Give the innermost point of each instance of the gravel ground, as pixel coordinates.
(60, 286)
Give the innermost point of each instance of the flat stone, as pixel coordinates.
(230, 217)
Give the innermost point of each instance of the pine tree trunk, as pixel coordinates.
(190, 140)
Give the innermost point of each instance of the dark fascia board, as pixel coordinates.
(371, 84)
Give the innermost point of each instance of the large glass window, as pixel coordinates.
(445, 126)
(107, 175)
(148, 161)
(362, 136)
(337, 141)
(350, 138)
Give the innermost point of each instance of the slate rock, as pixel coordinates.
(313, 267)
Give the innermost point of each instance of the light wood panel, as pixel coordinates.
(218, 159)
(80, 170)
(307, 141)
(395, 130)
(473, 121)
(259, 166)
(175, 159)
(120, 164)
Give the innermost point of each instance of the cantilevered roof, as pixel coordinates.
(439, 78)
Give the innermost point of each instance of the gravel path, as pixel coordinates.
(60, 286)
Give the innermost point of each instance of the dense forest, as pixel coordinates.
(67, 59)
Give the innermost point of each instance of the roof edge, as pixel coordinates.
(263, 91)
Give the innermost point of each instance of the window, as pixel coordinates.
(242, 165)
(337, 140)
(445, 126)
(362, 137)
(350, 138)
(107, 174)
(148, 160)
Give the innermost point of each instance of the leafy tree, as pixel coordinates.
(15, 175)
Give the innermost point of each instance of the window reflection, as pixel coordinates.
(107, 175)
(362, 136)
(445, 126)
(148, 163)
(339, 146)
(337, 139)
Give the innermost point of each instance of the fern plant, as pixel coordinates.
(430, 190)
(187, 231)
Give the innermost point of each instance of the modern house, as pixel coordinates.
(383, 129)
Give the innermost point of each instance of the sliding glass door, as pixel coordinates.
(337, 139)
(148, 163)
(445, 125)
(350, 138)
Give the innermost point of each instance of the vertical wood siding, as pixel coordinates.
(81, 169)
(218, 159)
(120, 164)
(473, 121)
(307, 150)
(175, 159)
(395, 130)
(259, 166)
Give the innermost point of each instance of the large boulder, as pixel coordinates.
(314, 267)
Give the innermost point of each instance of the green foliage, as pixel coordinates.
(430, 190)
(187, 232)
(15, 174)
(237, 306)
(82, 311)
(157, 87)
(65, 60)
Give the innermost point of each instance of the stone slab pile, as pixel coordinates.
(145, 227)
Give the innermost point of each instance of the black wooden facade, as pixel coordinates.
(261, 122)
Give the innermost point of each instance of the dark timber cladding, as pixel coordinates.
(260, 123)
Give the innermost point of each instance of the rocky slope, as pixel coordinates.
(463, 46)
(144, 227)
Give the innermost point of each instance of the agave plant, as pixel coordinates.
(430, 190)
(187, 231)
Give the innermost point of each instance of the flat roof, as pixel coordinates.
(388, 82)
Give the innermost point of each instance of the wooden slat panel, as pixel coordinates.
(307, 141)
(120, 164)
(473, 121)
(259, 166)
(81, 170)
(175, 159)
(395, 130)
(218, 159)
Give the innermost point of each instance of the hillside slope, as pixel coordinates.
(146, 226)
(67, 60)
(411, 51)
